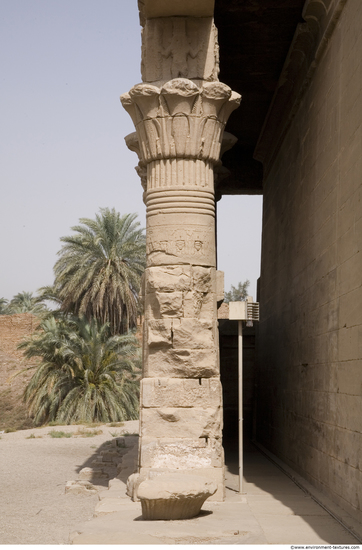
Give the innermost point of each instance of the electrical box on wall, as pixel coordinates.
(244, 311)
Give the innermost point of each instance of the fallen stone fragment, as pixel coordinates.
(80, 488)
(109, 456)
(133, 482)
(91, 473)
(115, 484)
(171, 496)
(98, 463)
(116, 491)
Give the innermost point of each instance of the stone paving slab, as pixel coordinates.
(218, 523)
(308, 529)
(275, 485)
(300, 506)
(272, 510)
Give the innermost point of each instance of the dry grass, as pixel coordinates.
(57, 434)
(116, 424)
(82, 432)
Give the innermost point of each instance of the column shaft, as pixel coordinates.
(179, 127)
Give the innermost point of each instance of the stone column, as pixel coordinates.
(179, 128)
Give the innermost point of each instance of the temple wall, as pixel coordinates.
(310, 352)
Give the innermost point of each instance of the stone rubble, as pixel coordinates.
(120, 459)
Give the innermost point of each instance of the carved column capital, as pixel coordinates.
(180, 119)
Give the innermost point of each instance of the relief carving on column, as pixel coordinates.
(194, 244)
(174, 47)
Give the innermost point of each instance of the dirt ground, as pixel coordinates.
(34, 467)
(34, 508)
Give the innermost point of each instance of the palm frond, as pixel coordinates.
(99, 269)
(84, 373)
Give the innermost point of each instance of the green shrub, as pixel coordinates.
(92, 424)
(88, 433)
(56, 434)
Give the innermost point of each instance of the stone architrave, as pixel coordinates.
(179, 113)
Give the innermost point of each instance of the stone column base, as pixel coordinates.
(217, 475)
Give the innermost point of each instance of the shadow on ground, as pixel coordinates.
(269, 491)
(107, 459)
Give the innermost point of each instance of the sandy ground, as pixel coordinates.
(34, 508)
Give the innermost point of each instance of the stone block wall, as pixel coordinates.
(310, 353)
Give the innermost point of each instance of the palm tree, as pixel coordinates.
(99, 269)
(84, 375)
(48, 293)
(25, 302)
(3, 306)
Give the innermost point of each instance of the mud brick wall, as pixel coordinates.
(13, 328)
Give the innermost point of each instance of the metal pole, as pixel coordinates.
(240, 378)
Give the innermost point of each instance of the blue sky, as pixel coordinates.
(63, 66)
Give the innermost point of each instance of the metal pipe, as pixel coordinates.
(240, 386)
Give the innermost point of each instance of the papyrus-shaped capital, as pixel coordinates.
(146, 97)
(180, 120)
(180, 95)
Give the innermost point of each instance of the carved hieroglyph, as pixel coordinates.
(179, 130)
